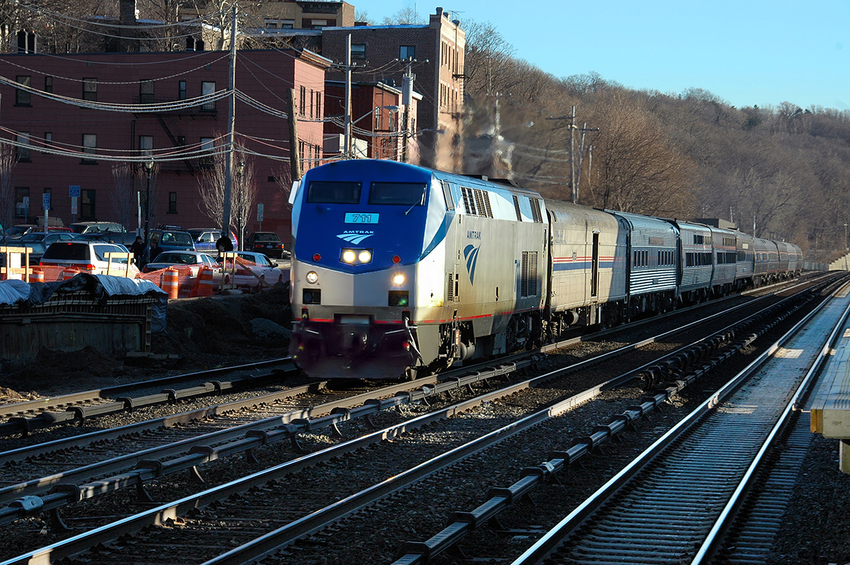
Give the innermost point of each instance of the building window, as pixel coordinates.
(146, 90)
(87, 202)
(23, 97)
(181, 90)
(302, 101)
(271, 23)
(48, 84)
(22, 201)
(207, 146)
(406, 52)
(89, 147)
(172, 202)
(48, 139)
(207, 88)
(89, 89)
(358, 51)
(318, 104)
(23, 138)
(287, 24)
(146, 144)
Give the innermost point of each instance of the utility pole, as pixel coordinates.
(583, 129)
(573, 187)
(231, 124)
(347, 129)
(406, 101)
(294, 148)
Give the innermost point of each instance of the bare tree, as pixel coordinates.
(405, 16)
(283, 179)
(488, 55)
(8, 160)
(362, 16)
(211, 189)
(244, 195)
(638, 170)
(243, 192)
(218, 14)
(124, 196)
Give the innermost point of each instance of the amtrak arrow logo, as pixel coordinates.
(355, 238)
(470, 252)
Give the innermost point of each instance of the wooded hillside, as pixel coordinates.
(783, 172)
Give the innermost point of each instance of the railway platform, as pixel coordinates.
(830, 402)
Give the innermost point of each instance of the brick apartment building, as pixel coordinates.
(303, 14)
(434, 53)
(378, 128)
(61, 144)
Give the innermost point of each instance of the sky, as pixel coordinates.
(745, 52)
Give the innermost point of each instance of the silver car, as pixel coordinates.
(92, 257)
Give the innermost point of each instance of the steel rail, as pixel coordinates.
(500, 499)
(544, 547)
(727, 515)
(43, 484)
(455, 384)
(42, 404)
(150, 469)
(151, 463)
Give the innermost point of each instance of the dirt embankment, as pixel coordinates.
(201, 333)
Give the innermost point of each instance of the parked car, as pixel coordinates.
(257, 258)
(192, 259)
(40, 241)
(90, 257)
(205, 239)
(94, 227)
(21, 230)
(253, 268)
(170, 240)
(265, 242)
(126, 239)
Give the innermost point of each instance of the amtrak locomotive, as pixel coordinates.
(398, 269)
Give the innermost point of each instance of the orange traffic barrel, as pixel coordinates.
(205, 282)
(170, 282)
(70, 273)
(37, 276)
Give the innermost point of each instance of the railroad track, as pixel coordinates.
(674, 502)
(341, 421)
(92, 401)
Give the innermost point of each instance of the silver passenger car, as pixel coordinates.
(651, 263)
(587, 266)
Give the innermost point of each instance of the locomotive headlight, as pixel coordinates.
(312, 277)
(356, 256)
(399, 279)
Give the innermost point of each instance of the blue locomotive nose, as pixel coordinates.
(358, 236)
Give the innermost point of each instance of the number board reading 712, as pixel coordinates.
(361, 218)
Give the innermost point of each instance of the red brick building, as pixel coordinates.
(378, 127)
(74, 139)
(434, 53)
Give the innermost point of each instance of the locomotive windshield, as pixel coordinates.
(398, 193)
(333, 192)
